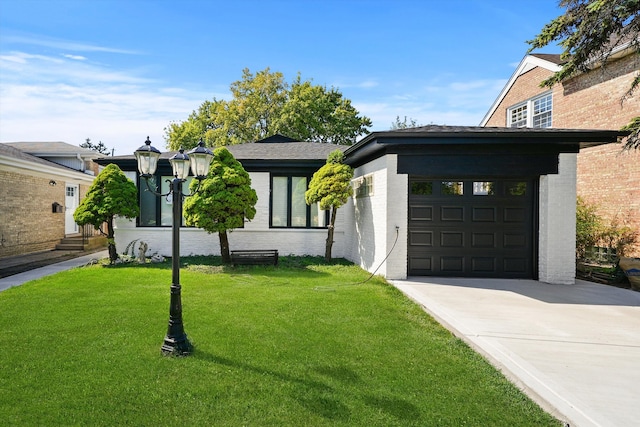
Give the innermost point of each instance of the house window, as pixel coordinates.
(288, 206)
(363, 186)
(533, 113)
(158, 211)
(518, 116)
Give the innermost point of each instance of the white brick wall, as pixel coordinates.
(255, 235)
(397, 214)
(557, 235)
(375, 219)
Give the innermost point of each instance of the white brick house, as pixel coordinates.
(433, 200)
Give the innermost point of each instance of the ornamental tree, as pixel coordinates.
(223, 202)
(330, 186)
(111, 194)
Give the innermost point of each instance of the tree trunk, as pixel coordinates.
(113, 253)
(224, 247)
(332, 223)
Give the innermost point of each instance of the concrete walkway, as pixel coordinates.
(20, 278)
(574, 349)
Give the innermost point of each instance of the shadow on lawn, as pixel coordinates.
(317, 396)
(199, 354)
(312, 395)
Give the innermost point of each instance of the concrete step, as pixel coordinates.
(70, 244)
(75, 243)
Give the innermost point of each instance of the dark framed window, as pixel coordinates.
(157, 211)
(288, 208)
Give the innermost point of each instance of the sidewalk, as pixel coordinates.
(574, 349)
(34, 266)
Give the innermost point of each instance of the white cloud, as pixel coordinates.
(63, 44)
(368, 84)
(461, 103)
(76, 57)
(44, 98)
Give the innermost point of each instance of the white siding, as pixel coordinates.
(557, 235)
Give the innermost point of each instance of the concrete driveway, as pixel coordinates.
(575, 349)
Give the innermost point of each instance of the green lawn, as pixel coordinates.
(298, 345)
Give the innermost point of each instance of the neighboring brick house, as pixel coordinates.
(41, 184)
(608, 176)
(433, 201)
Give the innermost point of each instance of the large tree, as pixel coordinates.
(589, 32)
(224, 200)
(264, 104)
(330, 186)
(111, 194)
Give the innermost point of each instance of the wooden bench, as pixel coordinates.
(254, 257)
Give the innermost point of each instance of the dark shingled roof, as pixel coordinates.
(377, 142)
(284, 150)
(256, 156)
(269, 151)
(277, 138)
(443, 131)
(551, 57)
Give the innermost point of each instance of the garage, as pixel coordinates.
(463, 201)
(471, 227)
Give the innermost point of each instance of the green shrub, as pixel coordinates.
(588, 227)
(594, 231)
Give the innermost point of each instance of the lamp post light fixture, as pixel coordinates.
(175, 342)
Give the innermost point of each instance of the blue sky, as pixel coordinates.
(116, 71)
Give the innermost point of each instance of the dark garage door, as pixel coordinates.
(471, 228)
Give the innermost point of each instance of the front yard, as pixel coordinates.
(301, 344)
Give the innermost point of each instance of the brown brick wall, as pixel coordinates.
(27, 223)
(607, 176)
(610, 178)
(592, 100)
(526, 86)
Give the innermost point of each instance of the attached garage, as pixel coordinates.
(477, 228)
(469, 201)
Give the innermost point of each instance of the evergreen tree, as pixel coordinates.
(589, 32)
(330, 186)
(224, 200)
(111, 194)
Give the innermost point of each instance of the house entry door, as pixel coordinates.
(71, 202)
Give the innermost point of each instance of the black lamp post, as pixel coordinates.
(175, 342)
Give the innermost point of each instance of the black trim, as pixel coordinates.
(289, 177)
(494, 166)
